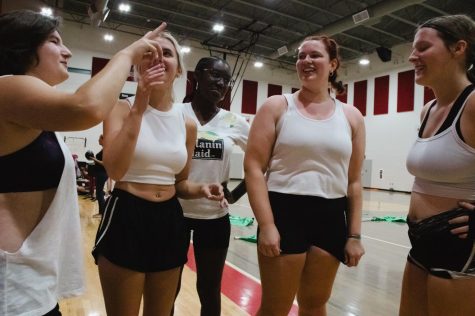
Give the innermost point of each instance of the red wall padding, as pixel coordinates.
(99, 63)
(359, 101)
(428, 95)
(405, 91)
(249, 97)
(273, 89)
(344, 96)
(381, 95)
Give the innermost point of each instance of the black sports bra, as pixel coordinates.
(36, 167)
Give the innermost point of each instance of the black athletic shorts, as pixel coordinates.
(209, 233)
(141, 235)
(304, 221)
(438, 251)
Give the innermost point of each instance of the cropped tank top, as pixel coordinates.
(311, 157)
(444, 165)
(37, 166)
(161, 151)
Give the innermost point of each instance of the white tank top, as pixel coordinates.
(49, 264)
(160, 152)
(443, 165)
(311, 157)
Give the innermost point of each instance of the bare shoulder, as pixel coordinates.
(470, 107)
(121, 109)
(190, 126)
(273, 107)
(353, 115)
(426, 108)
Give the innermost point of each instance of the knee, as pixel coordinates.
(313, 304)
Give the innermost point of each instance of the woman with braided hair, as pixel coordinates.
(218, 132)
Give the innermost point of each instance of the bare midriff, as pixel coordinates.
(149, 192)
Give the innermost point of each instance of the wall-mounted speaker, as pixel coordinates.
(384, 53)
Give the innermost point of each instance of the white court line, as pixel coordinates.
(242, 205)
(247, 274)
(387, 242)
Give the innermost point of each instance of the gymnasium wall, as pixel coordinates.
(389, 133)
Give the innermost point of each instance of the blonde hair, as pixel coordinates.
(179, 53)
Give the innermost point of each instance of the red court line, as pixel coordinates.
(239, 288)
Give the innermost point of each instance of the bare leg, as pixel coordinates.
(317, 281)
(280, 277)
(451, 297)
(122, 288)
(414, 292)
(160, 290)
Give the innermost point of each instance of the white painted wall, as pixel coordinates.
(389, 137)
(86, 42)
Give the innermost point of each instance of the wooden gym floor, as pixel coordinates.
(371, 289)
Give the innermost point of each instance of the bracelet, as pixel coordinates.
(355, 236)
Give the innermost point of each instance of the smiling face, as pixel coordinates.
(313, 63)
(53, 57)
(213, 81)
(170, 59)
(431, 58)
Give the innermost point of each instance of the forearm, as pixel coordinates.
(355, 205)
(119, 151)
(259, 197)
(189, 190)
(99, 94)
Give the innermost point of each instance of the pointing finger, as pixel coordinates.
(157, 31)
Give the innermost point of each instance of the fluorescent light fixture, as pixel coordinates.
(218, 27)
(185, 49)
(108, 37)
(123, 7)
(364, 61)
(258, 64)
(46, 11)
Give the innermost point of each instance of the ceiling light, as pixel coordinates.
(258, 64)
(185, 49)
(218, 27)
(46, 11)
(124, 7)
(364, 61)
(108, 37)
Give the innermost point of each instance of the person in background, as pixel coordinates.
(303, 174)
(101, 177)
(218, 132)
(439, 278)
(141, 242)
(40, 240)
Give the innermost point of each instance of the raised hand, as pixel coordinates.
(147, 47)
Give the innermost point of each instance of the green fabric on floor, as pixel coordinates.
(391, 219)
(252, 238)
(241, 221)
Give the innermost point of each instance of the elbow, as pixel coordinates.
(114, 173)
